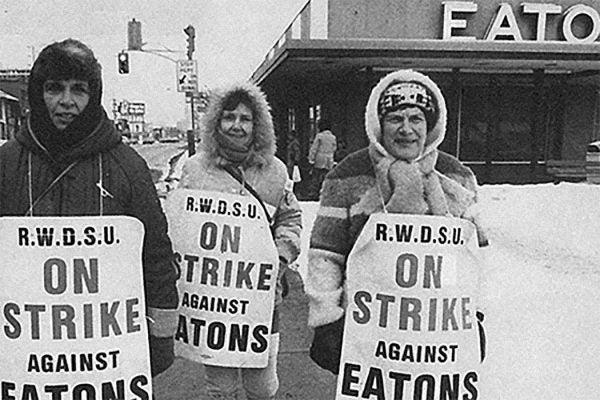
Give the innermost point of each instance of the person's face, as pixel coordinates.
(65, 100)
(404, 132)
(238, 124)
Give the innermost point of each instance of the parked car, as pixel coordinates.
(168, 139)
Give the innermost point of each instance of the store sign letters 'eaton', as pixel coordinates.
(504, 26)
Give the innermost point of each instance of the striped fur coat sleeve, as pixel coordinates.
(345, 203)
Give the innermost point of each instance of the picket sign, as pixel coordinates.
(410, 327)
(229, 269)
(73, 309)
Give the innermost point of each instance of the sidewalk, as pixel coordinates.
(299, 377)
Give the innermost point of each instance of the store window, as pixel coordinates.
(496, 124)
(291, 119)
(579, 120)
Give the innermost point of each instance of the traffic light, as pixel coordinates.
(134, 35)
(123, 59)
(190, 31)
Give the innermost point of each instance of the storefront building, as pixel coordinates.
(14, 103)
(521, 79)
(10, 112)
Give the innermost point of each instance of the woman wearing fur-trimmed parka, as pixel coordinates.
(401, 171)
(237, 135)
(68, 160)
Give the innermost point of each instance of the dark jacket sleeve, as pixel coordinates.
(160, 267)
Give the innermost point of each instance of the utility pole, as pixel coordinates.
(190, 31)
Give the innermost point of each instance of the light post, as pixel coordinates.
(190, 31)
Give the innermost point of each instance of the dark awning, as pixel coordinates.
(324, 59)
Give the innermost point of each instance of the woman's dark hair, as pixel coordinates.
(69, 59)
(65, 60)
(324, 124)
(236, 98)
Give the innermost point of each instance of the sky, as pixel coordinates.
(232, 38)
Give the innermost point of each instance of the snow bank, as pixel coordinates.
(542, 275)
(559, 222)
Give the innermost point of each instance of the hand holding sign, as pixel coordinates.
(326, 348)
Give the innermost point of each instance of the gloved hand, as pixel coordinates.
(406, 186)
(162, 326)
(326, 347)
(162, 354)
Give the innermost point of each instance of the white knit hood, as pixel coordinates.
(435, 134)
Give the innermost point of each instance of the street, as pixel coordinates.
(157, 155)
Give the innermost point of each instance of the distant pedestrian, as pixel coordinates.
(401, 172)
(69, 160)
(237, 157)
(321, 154)
(293, 154)
(342, 150)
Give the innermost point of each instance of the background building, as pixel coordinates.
(10, 113)
(129, 118)
(521, 79)
(14, 102)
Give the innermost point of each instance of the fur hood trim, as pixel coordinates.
(435, 134)
(263, 147)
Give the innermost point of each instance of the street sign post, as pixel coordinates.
(187, 76)
(187, 81)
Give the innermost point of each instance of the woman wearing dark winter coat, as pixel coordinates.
(68, 160)
(401, 171)
(238, 134)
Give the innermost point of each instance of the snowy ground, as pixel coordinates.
(541, 293)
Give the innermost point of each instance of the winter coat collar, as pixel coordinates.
(263, 148)
(102, 138)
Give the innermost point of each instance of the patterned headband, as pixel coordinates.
(406, 93)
